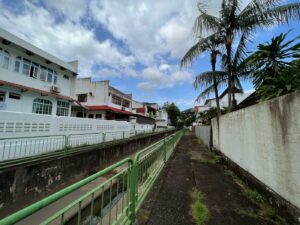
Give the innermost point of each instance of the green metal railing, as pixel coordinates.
(117, 196)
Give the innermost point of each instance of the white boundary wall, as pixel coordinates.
(264, 139)
(14, 124)
(203, 132)
(24, 134)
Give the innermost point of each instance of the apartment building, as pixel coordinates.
(32, 80)
(102, 101)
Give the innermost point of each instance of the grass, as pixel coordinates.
(143, 215)
(265, 210)
(199, 210)
(205, 156)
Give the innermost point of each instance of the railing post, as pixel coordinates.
(133, 191)
(165, 151)
(103, 137)
(66, 145)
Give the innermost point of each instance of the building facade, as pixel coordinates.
(33, 81)
(102, 101)
(161, 119)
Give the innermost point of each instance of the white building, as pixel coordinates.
(223, 100)
(32, 80)
(161, 118)
(102, 101)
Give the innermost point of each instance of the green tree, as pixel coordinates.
(234, 20)
(276, 66)
(208, 85)
(187, 117)
(210, 44)
(173, 113)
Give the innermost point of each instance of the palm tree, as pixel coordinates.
(274, 75)
(208, 44)
(239, 68)
(233, 20)
(205, 82)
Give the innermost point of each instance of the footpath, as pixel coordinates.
(195, 189)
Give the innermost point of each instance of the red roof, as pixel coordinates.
(26, 88)
(108, 108)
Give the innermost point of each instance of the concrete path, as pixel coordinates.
(194, 166)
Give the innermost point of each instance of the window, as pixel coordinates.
(98, 116)
(126, 103)
(26, 67)
(62, 108)
(66, 77)
(14, 95)
(82, 97)
(34, 70)
(42, 106)
(49, 76)
(55, 78)
(91, 116)
(18, 64)
(116, 99)
(43, 73)
(2, 96)
(5, 61)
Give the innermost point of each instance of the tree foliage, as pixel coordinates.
(173, 113)
(276, 66)
(187, 117)
(206, 116)
(233, 21)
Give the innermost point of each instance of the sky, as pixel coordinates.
(136, 44)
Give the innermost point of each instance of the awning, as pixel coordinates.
(26, 88)
(108, 108)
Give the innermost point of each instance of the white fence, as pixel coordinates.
(23, 135)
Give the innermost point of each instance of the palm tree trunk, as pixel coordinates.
(233, 105)
(229, 69)
(215, 83)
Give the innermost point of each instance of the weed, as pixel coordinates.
(199, 211)
(199, 141)
(143, 215)
(266, 211)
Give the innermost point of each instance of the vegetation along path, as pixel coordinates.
(195, 188)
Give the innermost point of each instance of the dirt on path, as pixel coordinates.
(192, 166)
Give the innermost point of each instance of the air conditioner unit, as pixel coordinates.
(55, 89)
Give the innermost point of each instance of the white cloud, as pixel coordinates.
(164, 67)
(155, 78)
(72, 9)
(67, 40)
(152, 35)
(149, 29)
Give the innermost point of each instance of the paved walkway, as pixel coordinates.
(193, 166)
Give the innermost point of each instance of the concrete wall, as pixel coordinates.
(13, 124)
(264, 140)
(204, 133)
